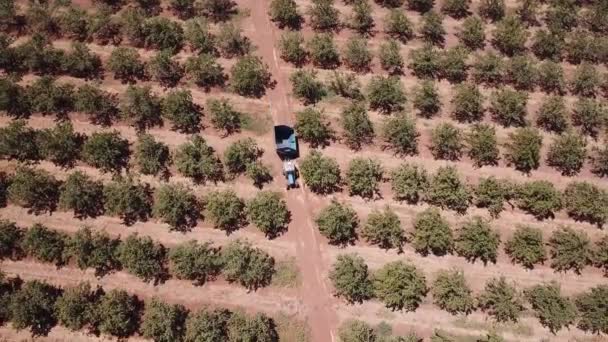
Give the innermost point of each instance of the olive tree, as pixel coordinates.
(432, 234)
(323, 15)
(472, 33)
(482, 145)
(291, 46)
(386, 94)
(197, 160)
(539, 198)
(176, 205)
(567, 153)
(510, 36)
(523, 149)
(60, 144)
(338, 223)
(124, 62)
(194, 261)
(356, 125)
(33, 307)
(240, 154)
(152, 157)
(584, 201)
(425, 62)
(269, 212)
(250, 77)
(163, 322)
(447, 142)
(81, 194)
(551, 115)
(467, 103)
(589, 115)
(398, 26)
(225, 210)
(285, 14)
(96, 250)
(591, 306)
(351, 279)
(44, 244)
(313, 126)
(552, 309)
(501, 300)
(107, 151)
(569, 250)
(476, 240)
(100, 106)
(141, 108)
(142, 257)
(447, 190)
(75, 306)
(36, 190)
(508, 107)
(356, 54)
(224, 116)
(205, 71)
(306, 87)
(452, 293)
(177, 107)
(400, 286)
(492, 193)
(390, 57)
(363, 177)
(383, 228)
(320, 173)
(128, 199)
(323, 51)
(118, 313)
(526, 247)
(400, 134)
(19, 142)
(409, 183)
(165, 70)
(250, 267)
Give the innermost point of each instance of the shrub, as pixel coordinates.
(456, 9)
(390, 57)
(570, 250)
(567, 153)
(356, 54)
(523, 149)
(425, 62)
(492, 9)
(421, 6)
(285, 14)
(292, 49)
(400, 134)
(60, 144)
(107, 151)
(223, 116)
(409, 183)
(398, 26)
(492, 193)
(198, 35)
(452, 293)
(196, 262)
(522, 73)
(259, 174)
(13, 99)
(163, 322)
(591, 306)
(386, 94)
(338, 223)
(321, 174)
(36, 190)
(176, 206)
(164, 70)
(600, 255)
(383, 228)
(48, 97)
(151, 156)
(467, 103)
(551, 77)
(323, 15)
(143, 258)
(313, 127)
(508, 107)
(10, 240)
(547, 45)
(453, 64)
(100, 106)
(526, 247)
(482, 143)
(82, 195)
(44, 244)
(585, 81)
(472, 33)
(426, 99)
(476, 240)
(217, 10)
(400, 286)
(432, 30)
(589, 115)
(599, 161)
(432, 234)
(510, 36)
(363, 177)
(346, 85)
(93, 250)
(551, 115)
(141, 108)
(128, 199)
(250, 267)
(269, 212)
(356, 331)
(74, 308)
(306, 87)
(323, 51)
(33, 307)
(552, 309)
(446, 142)
(250, 77)
(231, 42)
(488, 68)
(350, 278)
(117, 313)
(197, 160)
(124, 62)
(18, 141)
(225, 210)
(205, 71)
(539, 198)
(183, 9)
(586, 202)
(501, 300)
(81, 62)
(356, 125)
(447, 190)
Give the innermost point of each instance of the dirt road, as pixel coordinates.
(314, 291)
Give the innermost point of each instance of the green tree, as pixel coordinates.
(13, 98)
(44, 244)
(199, 36)
(547, 45)
(567, 153)
(585, 81)
(323, 15)
(183, 9)
(323, 51)
(472, 33)
(492, 9)
(162, 33)
(36, 190)
(400, 134)
(356, 331)
(600, 254)
(259, 173)
(526, 247)
(124, 62)
(488, 68)
(292, 49)
(207, 325)
(508, 107)
(346, 85)
(223, 116)
(400, 286)
(176, 205)
(225, 210)
(447, 190)
(492, 193)
(18, 141)
(482, 145)
(81, 62)
(165, 70)
(321, 174)
(552, 309)
(10, 240)
(251, 267)
(269, 212)
(409, 183)
(599, 161)
(338, 223)
(510, 36)
(398, 26)
(163, 322)
(81, 194)
(95, 250)
(197, 160)
(522, 72)
(46, 96)
(421, 6)
(386, 94)
(118, 313)
(453, 64)
(538, 198)
(128, 199)
(552, 115)
(240, 154)
(551, 77)
(523, 149)
(570, 250)
(196, 262)
(356, 54)
(589, 115)
(152, 157)
(251, 328)
(107, 151)
(362, 20)
(100, 106)
(143, 258)
(501, 300)
(457, 9)
(446, 142)
(231, 42)
(592, 306)
(33, 307)
(306, 87)
(425, 62)
(432, 30)
(205, 71)
(141, 108)
(586, 202)
(313, 127)
(452, 293)
(285, 14)
(363, 177)
(383, 228)
(432, 234)
(60, 144)
(356, 125)
(250, 77)
(476, 240)
(467, 103)
(351, 279)
(75, 306)
(217, 10)
(426, 99)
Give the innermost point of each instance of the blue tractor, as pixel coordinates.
(287, 149)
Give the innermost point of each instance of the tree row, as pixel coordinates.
(237, 262)
(402, 286)
(39, 306)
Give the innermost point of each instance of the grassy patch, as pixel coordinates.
(519, 329)
(259, 125)
(287, 274)
(292, 329)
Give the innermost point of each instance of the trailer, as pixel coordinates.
(287, 149)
